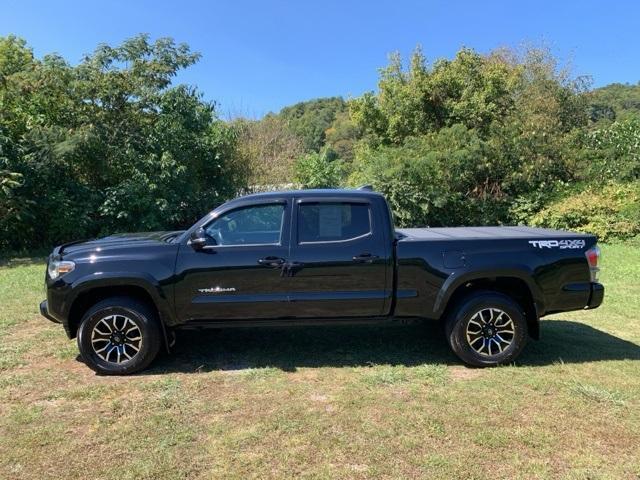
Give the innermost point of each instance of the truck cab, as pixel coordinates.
(316, 254)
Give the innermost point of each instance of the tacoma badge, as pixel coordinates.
(216, 289)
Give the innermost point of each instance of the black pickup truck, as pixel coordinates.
(315, 257)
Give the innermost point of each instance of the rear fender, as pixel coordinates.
(458, 279)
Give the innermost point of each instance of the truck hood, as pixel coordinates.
(119, 240)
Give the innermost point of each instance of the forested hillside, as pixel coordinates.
(111, 144)
(615, 102)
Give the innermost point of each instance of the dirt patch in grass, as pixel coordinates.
(465, 373)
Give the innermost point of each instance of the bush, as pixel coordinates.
(319, 170)
(450, 177)
(610, 212)
(613, 152)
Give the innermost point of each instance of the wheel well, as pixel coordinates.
(514, 287)
(89, 298)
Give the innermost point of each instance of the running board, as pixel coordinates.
(287, 322)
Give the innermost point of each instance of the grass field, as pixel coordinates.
(361, 402)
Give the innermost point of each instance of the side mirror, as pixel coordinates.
(198, 239)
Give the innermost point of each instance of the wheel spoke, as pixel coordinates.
(109, 352)
(472, 321)
(505, 323)
(106, 324)
(103, 348)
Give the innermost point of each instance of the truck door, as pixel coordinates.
(239, 275)
(339, 259)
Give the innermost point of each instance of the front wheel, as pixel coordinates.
(118, 336)
(486, 329)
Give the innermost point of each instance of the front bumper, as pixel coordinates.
(596, 296)
(44, 311)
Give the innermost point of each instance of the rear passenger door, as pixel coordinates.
(339, 259)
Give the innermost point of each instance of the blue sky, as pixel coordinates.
(258, 56)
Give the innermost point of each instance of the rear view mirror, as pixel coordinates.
(198, 239)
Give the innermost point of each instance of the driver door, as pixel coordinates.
(238, 274)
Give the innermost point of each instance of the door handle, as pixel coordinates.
(271, 261)
(365, 258)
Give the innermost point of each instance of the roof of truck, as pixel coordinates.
(324, 192)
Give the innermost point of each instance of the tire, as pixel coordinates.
(126, 346)
(478, 329)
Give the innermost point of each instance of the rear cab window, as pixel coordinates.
(320, 222)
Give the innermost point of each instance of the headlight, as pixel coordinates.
(57, 268)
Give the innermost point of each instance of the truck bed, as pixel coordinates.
(480, 233)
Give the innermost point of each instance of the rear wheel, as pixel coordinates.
(118, 336)
(486, 329)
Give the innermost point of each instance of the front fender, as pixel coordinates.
(143, 280)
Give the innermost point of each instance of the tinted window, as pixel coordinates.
(324, 222)
(260, 224)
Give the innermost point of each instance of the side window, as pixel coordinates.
(256, 225)
(327, 222)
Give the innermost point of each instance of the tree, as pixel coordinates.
(613, 152)
(319, 170)
(458, 141)
(110, 144)
(311, 119)
(616, 101)
(472, 90)
(342, 136)
(268, 149)
(9, 181)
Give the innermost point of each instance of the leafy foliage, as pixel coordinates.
(443, 178)
(112, 145)
(609, 212)
(617, 101)
(319, 170)
(471, 90)
(342, 136)
(268, 149)
(457, 142)
(613, 152)
(108, 145)
(311, 119)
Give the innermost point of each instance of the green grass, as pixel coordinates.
(351, 402)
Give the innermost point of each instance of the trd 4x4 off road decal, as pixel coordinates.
(561, 244)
